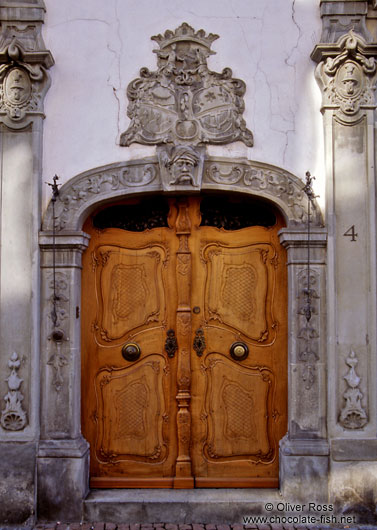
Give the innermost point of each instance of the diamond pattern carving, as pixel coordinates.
(130, 404)
(239, 407)
(129, 289)
(238, 291)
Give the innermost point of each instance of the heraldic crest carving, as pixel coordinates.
(183, 102)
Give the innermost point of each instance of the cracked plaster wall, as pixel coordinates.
(100, 47)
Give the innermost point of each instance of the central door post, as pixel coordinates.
(183, 472)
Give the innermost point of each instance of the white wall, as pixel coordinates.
(100, 46)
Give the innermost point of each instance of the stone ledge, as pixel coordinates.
(354, 450)
(76, 448)
(221, 506)
(314, 447)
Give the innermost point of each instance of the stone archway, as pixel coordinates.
(63, 453)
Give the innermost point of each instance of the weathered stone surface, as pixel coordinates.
(62, 485)
(353, 490)
(179, 507)
(339, 17)
(302, 474)
(17, 471)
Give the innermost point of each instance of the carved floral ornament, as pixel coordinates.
(347, 74)
(23, 83)
(183, 102)
(13, 416)
(353, 415)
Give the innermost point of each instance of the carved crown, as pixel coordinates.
(185, 33)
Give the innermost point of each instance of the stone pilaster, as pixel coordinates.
(346, 73)
(340, 16)
(24, 81)
(63, 456)
(304, 451)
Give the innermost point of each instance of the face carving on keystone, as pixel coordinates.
(181, 166)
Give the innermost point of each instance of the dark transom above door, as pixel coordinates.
(184, 352)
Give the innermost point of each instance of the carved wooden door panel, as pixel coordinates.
(239, 370)
(210, 414)
(129, 407)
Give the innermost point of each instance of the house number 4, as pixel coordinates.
(351, 233)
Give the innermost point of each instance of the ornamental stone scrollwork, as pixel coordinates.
(13, 416)
(347, 74)
(183, 102)
(117, 179)
(353, 415)
(24, 82)
(264, 180)
(179, 168)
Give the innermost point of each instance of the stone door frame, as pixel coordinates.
(63, 472)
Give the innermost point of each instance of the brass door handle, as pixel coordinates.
(131, 351)
(239, 351)
(171, 344)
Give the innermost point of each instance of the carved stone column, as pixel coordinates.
(304, 451)
(346, 74)
(24, 81)
(63, 456)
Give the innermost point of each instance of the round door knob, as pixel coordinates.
(131, 351)
(239, 351)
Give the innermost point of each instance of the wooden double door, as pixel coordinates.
(184, 345)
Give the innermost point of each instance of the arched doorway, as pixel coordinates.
(62, 243)
(184, 342)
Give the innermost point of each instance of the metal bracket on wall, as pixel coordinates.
(308, 190)
(57, 334)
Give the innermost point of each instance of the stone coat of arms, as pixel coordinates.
(183, 102)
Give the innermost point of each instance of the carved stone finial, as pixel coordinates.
(353, 416)
(13, 416)
(183, 102)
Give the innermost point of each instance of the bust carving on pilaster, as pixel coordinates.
(24, 62)
(346, 73)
